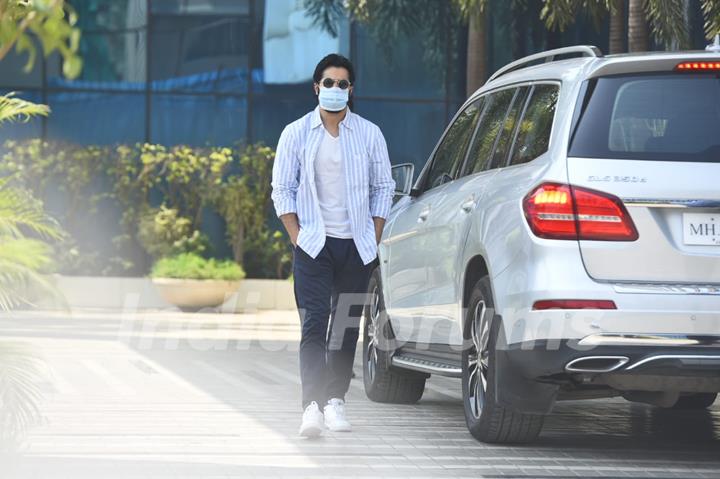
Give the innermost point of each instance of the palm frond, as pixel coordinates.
(21, 373)
(326, 14)
(27, 252)
(711, 12)
(597, 10)
(21, 261)
(20, 212)
(13, 108)
(388, 20)
(558, 14)
(668, 19)
(468, 8)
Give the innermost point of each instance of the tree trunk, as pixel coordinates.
(617, 28)
(476, 53)
(279, 269)
(239, 244)
(637, 27)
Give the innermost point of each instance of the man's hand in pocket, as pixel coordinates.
(292, 226)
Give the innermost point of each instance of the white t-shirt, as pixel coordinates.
(330, 184)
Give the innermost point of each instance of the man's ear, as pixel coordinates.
(316, 88)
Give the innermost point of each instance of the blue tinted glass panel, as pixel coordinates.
(277, 107)
(234, 80)
(201, 7)
(97, 118)
(113, 41)
(113, 58)
(198, 54)
(115, 15)
(198, 120)
(13, 73)
(411, 129)
(402, 74)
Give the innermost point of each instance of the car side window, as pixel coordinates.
(506, 134)
(533, 136)
(491, 123)
(450, 154)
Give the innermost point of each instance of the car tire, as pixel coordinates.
(383, 383)
(487, 420)
(695, 401)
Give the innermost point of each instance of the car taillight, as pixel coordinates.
(556, 211)
(698, 66)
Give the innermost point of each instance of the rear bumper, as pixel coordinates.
(552, 362)
(614, 364)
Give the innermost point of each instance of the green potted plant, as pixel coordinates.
(191, 282)
(180, 272)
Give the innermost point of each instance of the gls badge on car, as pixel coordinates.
(617, 179)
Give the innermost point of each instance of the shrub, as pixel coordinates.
(108, 200)
(162, 232)
(193, 266)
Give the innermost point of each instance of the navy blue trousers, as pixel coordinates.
(330, 291)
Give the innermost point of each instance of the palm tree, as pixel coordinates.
(638, 39)
(668, 22)
(436, 21)
(24, 226)
(475, 13)
(559, 14)
(617, 27)
(476, 52)
(23, 255)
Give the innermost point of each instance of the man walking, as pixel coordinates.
(332, 189)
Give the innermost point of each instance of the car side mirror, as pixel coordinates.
(403, 176)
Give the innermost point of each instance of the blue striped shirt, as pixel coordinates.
(369, 185)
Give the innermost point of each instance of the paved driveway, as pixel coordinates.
(171, 395)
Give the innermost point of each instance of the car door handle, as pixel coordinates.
(468, 205)
(423, 215)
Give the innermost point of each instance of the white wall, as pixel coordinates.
(140, 293)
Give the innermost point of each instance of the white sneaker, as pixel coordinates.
(312, 421)
(335, 419)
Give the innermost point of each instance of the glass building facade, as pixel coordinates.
(215, 72)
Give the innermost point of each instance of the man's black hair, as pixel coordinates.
(334, 60)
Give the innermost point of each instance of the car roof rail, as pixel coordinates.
(548, 56)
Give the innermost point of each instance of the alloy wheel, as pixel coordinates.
(373, 333)
(478, 357)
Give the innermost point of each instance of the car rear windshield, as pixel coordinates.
(663, 117)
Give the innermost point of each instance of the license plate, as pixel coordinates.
(701, 228)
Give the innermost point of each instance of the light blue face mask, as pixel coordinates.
(333, 99)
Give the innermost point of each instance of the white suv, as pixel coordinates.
(562, 242)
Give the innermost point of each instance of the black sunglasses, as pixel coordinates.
(329, 83)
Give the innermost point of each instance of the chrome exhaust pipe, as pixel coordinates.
(596, 364)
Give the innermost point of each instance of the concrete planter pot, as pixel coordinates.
(195, 294)
(130, 294)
